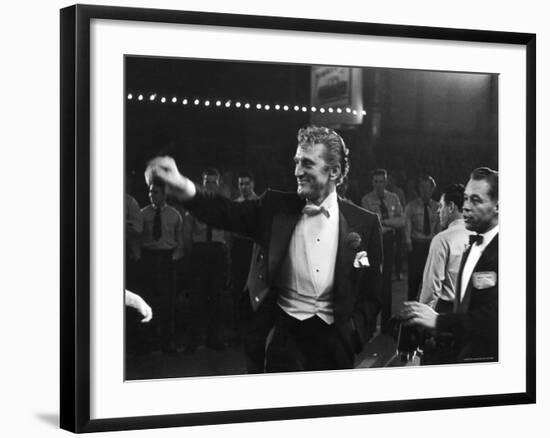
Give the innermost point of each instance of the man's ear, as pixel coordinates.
(335, 173)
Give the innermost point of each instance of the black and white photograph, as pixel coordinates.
(275, 219)
(290, 217)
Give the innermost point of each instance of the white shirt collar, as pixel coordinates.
(330, 203)
(489, 235)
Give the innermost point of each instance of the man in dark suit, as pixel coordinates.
(473, 324)
(314, 283)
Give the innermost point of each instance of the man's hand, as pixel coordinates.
(419, 314)
(165, 169)
(138, 303)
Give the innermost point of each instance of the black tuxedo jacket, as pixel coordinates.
(270, 222)
(474, 322)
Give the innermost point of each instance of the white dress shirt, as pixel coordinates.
(473, 257)
(171, 229)
(307, 275)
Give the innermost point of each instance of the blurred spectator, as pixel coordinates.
(209, 266)
(241, 247)
(421, 224)
(388, 208)
(400, 232)
(446, 250)
(133, 227)
(161, 246)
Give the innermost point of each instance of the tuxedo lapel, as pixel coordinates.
(488, 252)
(458, 300)
(344, 260)
(345, 255)
(284, 224)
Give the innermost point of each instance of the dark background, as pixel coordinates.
(440, 123)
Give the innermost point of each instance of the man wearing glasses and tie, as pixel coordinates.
(473, 323)
(314, 288)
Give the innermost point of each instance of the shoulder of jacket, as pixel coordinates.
(271, 195)
(353, 209)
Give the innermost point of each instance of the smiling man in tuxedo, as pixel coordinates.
(473, 323)
(314, 284)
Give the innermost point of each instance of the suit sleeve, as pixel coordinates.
(220, 212)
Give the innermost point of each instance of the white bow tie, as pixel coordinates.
(313, 210)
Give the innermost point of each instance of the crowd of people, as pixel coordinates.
(310, 272)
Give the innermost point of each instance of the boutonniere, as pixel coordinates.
(361, 260)
(353, 239)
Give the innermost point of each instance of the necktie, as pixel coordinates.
(157, 225)
(383, 209)
(314, 210)
(208, 233)
(427, 227)
(476, 238)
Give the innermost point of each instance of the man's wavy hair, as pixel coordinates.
(337, 154)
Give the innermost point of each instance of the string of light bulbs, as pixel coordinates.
(231, 103)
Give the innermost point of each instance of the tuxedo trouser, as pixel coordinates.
(308, 345)
(254, 327)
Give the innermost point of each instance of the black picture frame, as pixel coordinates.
(75, 216)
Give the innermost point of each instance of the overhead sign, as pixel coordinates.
(336, 94)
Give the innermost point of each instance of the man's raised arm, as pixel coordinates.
(209, 207)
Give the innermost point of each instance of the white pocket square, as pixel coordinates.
(361, 260)
(484, 280)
